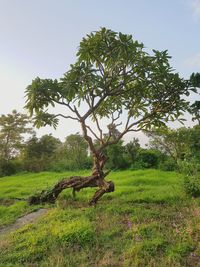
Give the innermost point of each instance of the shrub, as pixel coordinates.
(148, 158)
(192, 185)
(137, 165)
(88, 163)
(69, 165)
(189, 168)
(35, 164)
(191, 181)
(61, 165)
(116, 157)
(168, 165)
(10, 167)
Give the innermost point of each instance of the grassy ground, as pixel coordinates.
(147, 221)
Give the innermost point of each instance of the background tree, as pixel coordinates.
(39, 153)
(13, 128)
(116, 156)
(113, 78)
(181, 144)
(195, 111)
(194, 142)
(148, 158)
(173, 142)
(132, 149)
(195, 80)
(76, 150)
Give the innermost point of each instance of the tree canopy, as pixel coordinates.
(112, 75)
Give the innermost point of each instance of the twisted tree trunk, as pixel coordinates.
(78, 182)
(97, 179)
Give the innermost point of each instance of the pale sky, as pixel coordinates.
(40, 38)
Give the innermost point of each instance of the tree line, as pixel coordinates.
(22, 150)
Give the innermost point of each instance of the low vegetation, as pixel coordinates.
(147, 221)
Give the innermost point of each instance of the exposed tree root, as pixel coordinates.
(76, 183)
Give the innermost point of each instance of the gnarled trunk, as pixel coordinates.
(78, 182)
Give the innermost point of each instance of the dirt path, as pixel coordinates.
(28, 218)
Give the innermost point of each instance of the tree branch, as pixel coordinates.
(89, 128)
(87, 137)
(66, 117)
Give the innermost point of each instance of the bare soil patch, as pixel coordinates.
(28, 218)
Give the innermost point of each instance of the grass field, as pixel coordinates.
(147, 221)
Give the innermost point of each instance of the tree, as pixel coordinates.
(181, 144)
(40, 152)
(132, 149)
(113, 78)
(194, 109)
(172, 142)
(194, 142)
(148, 158)
(116, 156)
(76, 150)
(12, 129)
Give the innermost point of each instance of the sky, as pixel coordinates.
(41, 37)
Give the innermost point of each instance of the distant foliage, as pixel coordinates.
(168, 164)
(148, 158)
(195, 111)
(132, 150)
(117, 157)
(10, 167)
(76, 150)
(192, 185)
(13, 128)
(39, 153)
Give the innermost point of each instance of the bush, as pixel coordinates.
(69, 165)
(10, 167)
(116, 157)
(88, 163)
(62, 165)
(148, 158)
(192, 185)
(191, 181)
(189, 168)
(36, 164)
(168, 165)
(137, 166)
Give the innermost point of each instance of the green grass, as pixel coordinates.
(147, 221)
